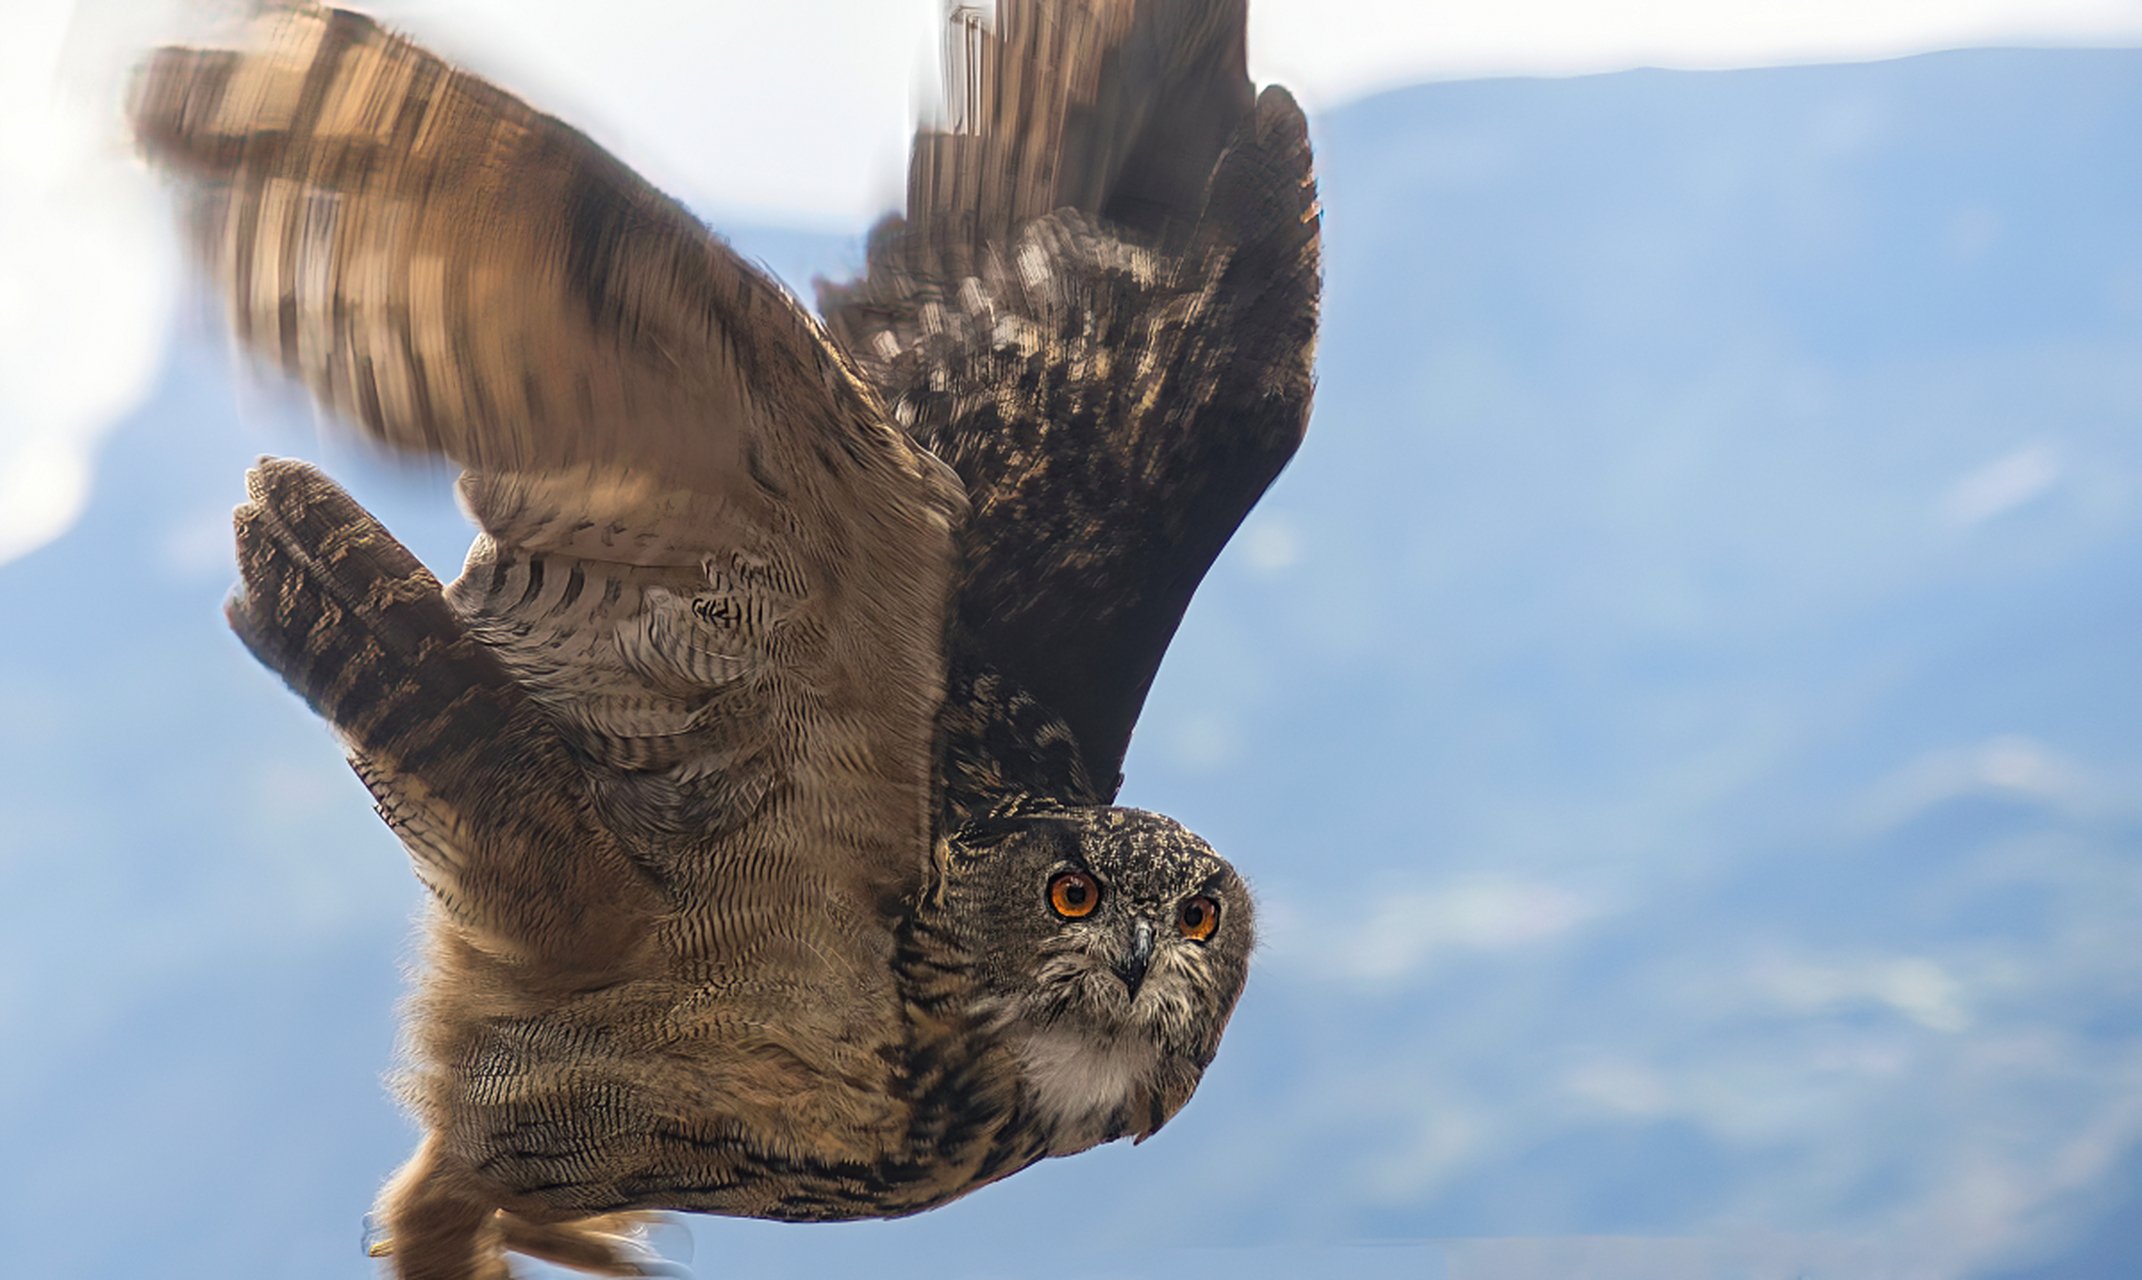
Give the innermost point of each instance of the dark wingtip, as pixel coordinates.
(1264, 187)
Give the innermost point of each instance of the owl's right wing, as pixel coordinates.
(636, 407)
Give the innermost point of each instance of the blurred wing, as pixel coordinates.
(457, 274)
(712, 564)
(1101, 311)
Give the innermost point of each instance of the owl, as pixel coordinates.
(759, 762)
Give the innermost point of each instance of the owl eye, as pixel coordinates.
(1198, 917)
(1074, 894)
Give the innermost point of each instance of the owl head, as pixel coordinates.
(1110, 945)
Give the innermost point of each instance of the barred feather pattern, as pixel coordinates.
(1114, 408)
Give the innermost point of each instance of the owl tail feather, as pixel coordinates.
(467, 769)
(443, 1227)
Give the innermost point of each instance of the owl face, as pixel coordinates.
(1112, 944)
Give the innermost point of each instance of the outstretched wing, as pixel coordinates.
(1100, 310)
(469, 773)
(457, 274)
(715, 571)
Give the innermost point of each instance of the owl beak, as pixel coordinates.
(1131, 968)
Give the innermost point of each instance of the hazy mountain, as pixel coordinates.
(1680, 712)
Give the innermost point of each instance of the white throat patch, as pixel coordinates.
(1079, 1083)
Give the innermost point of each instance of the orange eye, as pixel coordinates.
(1074, 894)
(1198, 918)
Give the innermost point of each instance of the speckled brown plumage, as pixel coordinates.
(759, 759)
(1101, 313)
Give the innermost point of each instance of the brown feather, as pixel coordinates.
(1101, 312)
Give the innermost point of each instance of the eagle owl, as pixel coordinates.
(759, 762)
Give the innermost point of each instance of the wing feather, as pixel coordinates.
(455, 273)
(1100, 310)
(467, 771)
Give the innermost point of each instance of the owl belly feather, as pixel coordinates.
(723, 1095)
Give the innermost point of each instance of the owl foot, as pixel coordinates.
(442, 1223)
(591, 1245)
(604, 1246)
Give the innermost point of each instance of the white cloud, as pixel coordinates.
(1763, 1254)
(2001, 485)
(789, 112)
(44, 481)
(1380, 43)
(803, 110)
(1914, 986)
(82, 322)
(2012, 764)
(1271, 543)
(1400, 935)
